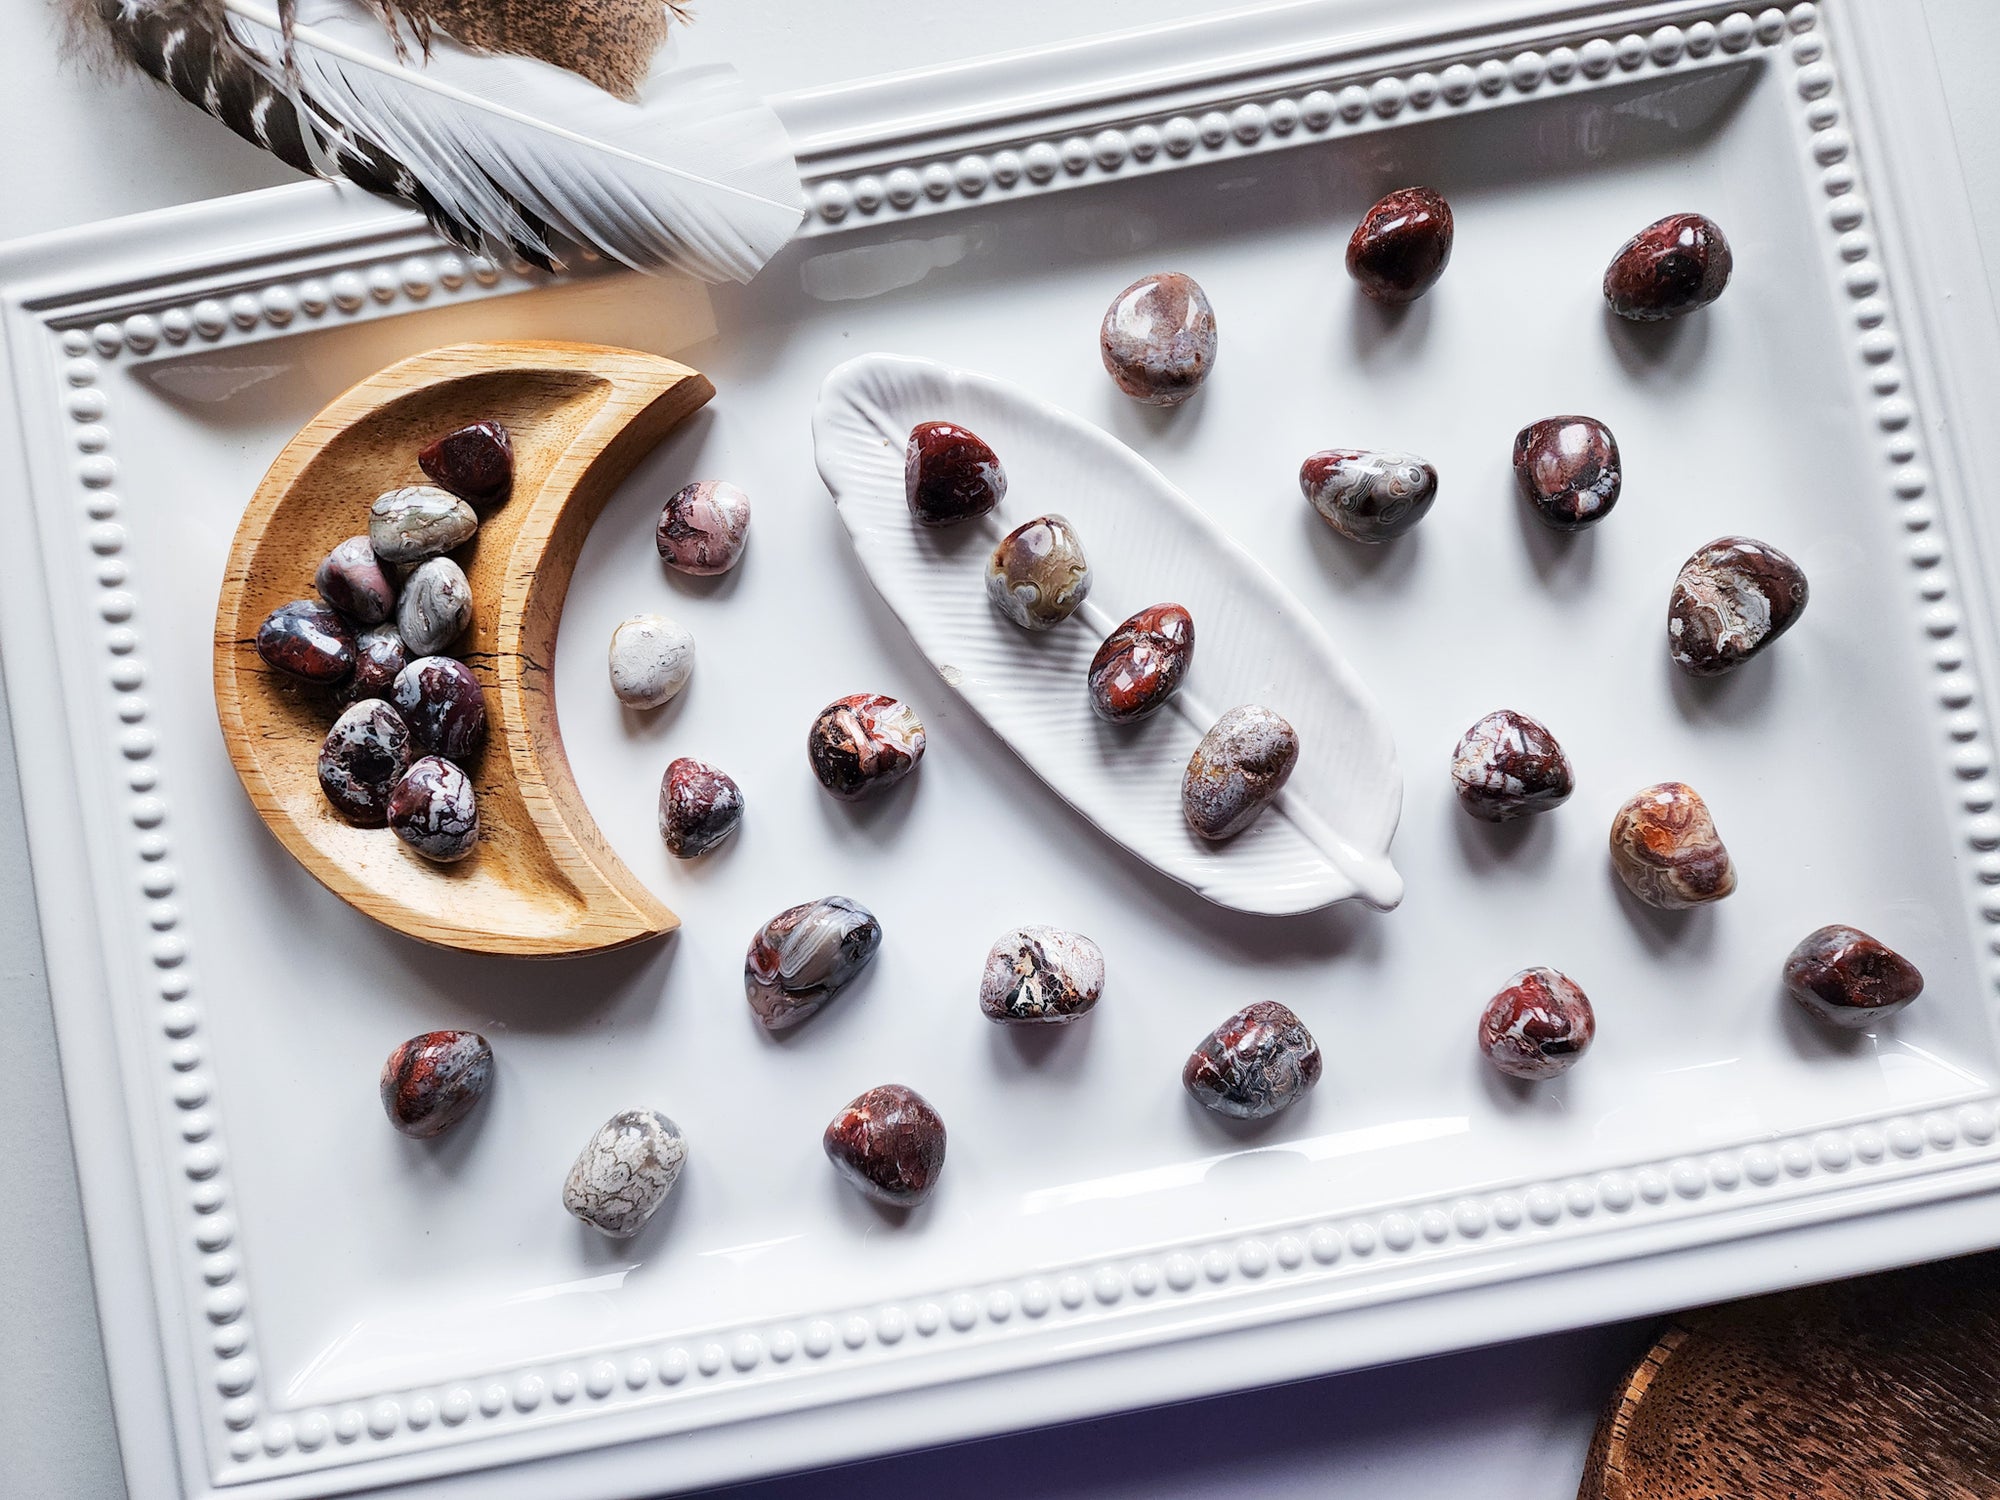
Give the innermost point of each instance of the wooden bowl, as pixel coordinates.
(542, 881)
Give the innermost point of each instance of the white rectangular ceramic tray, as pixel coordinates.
(296, 1301)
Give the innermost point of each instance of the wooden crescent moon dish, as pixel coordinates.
(1887, 1387)
(542, 882)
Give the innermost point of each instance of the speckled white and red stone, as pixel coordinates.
(1158, 339)
(1537, 1026)
(1238, 768)
(1258, 1062)
(863, 743)
(889, 1143)
(1507, 766)
(704, 528)
(700, 806)
(1041, 975)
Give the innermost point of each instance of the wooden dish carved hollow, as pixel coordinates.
(542, 882)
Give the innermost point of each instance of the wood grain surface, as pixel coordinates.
(1883, 1389)
(542, 881)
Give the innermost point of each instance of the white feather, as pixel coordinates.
(696, 174)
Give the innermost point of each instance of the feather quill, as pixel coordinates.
(693, 174)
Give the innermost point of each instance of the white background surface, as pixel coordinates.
(1504, 1423)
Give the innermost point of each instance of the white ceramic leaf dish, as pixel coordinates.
(297, 1302)
(1324, 840)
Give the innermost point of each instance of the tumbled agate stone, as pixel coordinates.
(1732, 599)
(650, 660)
(1537, 1026)
(436, 607)
(307, 640)
(433, 1081)
(703, 528)
(625, 1171)
(1665, 848)
(1041, 974)
(806, 955)
(1508, 765)
(443, 704)
(418, 521)
(435, 810)
(950, 474)
(1141, 664)
(350, 578)
(1669, 268)
(700, 806)
(1238, 768)
(1401, 246)
(1038, 576)
(1843, 975)
(362, 758)
(475, 462)
(1568, 469)
(1158, 339)
(1259, 1061)
(864, 742)
(889, 1143)
(1366, 496)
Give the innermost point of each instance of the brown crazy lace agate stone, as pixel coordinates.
(1665, 848)
(1508, 765)
(863, 743)
(1158, 339)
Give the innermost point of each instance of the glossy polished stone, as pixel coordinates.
(1665, 848)
(1041, 974)
(889, 1143)
(700, 806)
(444, 706)
(1236, 771)
(379, 654)
(1258, 1062)
(1537, 1026)
(1670, 268)
(1401, 246)
(362, 758)
(864, 743)
(1507, 766)
(1038, 576)
(625, 1172)
(1141, 664)
(433, 1081)
(435, 811)
(308, 641)
(351, 579)
(703, 528)
(1842, 975)
(1568, 470)
(1158, 339)
(1368, 497)
(1732, 599)
(650, 660)
(950, 474)
(419, 521)
(475, 462)
(804, 956)
(436, 607)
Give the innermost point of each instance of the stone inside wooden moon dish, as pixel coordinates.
(1145, 666)
(539, 880)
